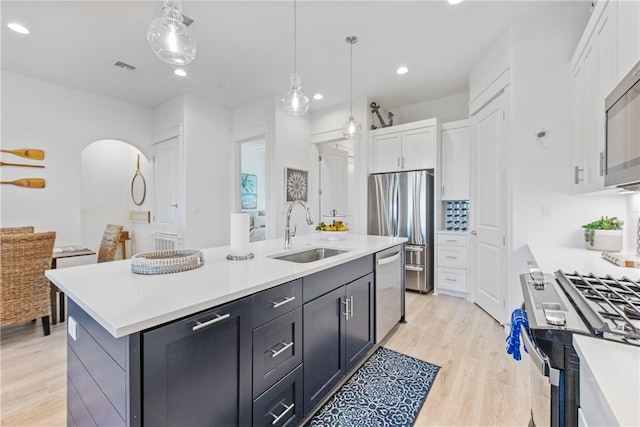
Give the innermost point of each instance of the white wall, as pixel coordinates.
(207, 140)
(107, 168)
(62, 121)
(445, 109)
(541, 173)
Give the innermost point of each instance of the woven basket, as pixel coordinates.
(166, 261)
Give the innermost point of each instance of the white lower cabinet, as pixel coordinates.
(451, 271)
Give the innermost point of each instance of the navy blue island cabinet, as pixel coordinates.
(270, 358)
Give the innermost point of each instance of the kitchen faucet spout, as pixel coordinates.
(288, 234)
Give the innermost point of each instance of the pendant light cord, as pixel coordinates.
(295, 35)
(351, 78)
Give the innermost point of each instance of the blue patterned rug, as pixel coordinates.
(387, 391)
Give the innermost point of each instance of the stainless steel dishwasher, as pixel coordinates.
(389, 271)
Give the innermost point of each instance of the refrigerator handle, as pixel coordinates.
(394, 198)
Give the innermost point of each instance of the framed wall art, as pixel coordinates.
(296, 185)
(249, 193)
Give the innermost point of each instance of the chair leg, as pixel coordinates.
(45, 325)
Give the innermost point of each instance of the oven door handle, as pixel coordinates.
(540, 360)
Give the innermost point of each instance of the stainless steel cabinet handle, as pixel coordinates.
(276, 353)
(175, 205)
(389, 259)
(414, 249)
(277, 418)
(450, 240)
(218, 318)
(473, 232)
(398, 161)
(283, 302)
(450, 280)
(413, 268)
(346, 308)
(451, 257)
(602, 163)
(351, 306)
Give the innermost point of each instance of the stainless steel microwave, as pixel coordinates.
(622, 159)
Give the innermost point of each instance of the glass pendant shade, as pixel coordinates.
(294, 102)
(169, 38)
(351, 128)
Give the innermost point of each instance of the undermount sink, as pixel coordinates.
(310, 255)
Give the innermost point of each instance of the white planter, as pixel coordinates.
(604, 240)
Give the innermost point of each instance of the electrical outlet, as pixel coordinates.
(547, 211)
(72, 328)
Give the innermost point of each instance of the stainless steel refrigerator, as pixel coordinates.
(400, 204)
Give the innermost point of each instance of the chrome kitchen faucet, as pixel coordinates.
(288, 234)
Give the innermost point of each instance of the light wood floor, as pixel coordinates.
(478, 383)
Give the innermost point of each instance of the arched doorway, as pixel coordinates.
(107, 170)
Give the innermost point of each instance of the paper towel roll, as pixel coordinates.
(239, 234)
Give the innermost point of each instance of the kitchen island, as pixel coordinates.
(228, 343)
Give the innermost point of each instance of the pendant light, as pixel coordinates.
(294, 102)
(351, 128)
(169, 37)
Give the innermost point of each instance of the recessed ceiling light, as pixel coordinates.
(318, 96)
(454, 1)
(18, 28)
(226, 86)
(180, 72)
(402, 70)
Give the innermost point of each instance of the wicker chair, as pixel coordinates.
(24, 288)
(109, 244)
(17, 230)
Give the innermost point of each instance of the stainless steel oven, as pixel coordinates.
(559, 306)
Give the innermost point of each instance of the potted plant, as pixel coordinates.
(604, 234)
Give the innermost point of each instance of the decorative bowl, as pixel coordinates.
(334, 235)
(166, 261)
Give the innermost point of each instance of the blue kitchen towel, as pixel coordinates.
(518, 317)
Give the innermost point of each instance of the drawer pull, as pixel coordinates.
(276, 353)
(450, 280)
(414, 249)
(218, 318)
(413, 268)
(450, 240)
(277, 418)
(283, 302)
(452, 257)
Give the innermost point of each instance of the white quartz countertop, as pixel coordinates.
(569, 260)
(124, 302)
(614, 369)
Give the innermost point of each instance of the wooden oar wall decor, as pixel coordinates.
(27, 153)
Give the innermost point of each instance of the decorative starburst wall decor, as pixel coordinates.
(296, 184)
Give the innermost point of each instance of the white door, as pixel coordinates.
(334, 180)
(488, 207)
(168, 187)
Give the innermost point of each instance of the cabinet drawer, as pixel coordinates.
(452, 256)
(281, 404)
(452, 240)
(277, 349)
(320, 283)
(452, 279)
(274, 302)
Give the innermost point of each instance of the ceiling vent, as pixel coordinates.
(124, 66)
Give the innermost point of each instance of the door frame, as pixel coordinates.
(258, 132)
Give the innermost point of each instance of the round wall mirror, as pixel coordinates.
(138, 186)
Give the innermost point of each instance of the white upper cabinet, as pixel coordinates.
(455, 140)
(595, 73)
(409, 146)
